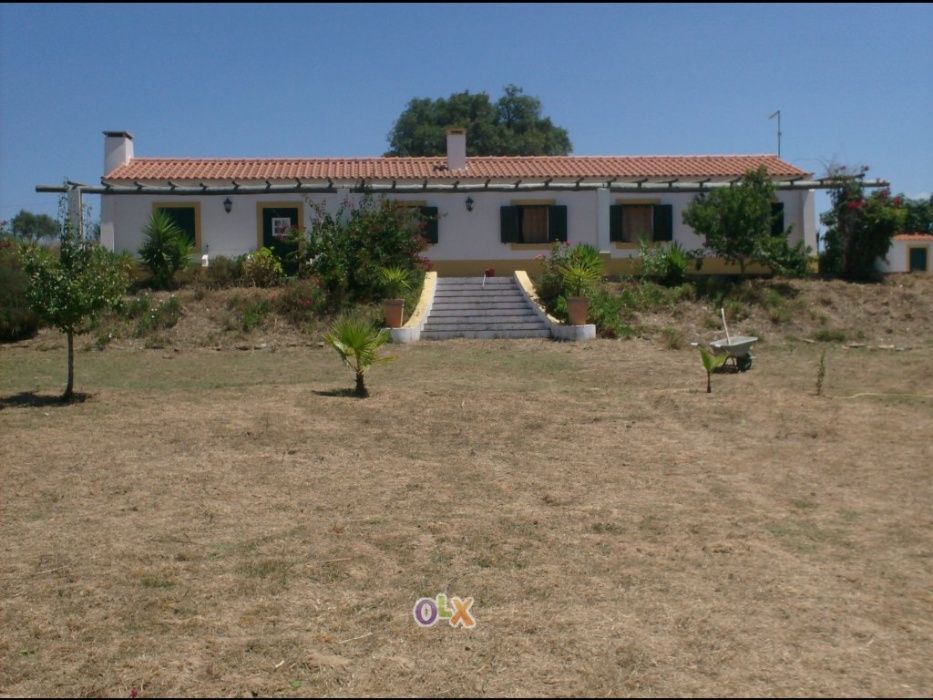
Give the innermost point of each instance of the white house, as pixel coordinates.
(909, 252)
(492, 212)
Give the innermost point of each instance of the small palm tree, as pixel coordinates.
(711, 363)
(357, 343)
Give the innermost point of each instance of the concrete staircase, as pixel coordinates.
(464, 308)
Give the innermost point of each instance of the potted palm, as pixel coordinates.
(579, 280)
(396, 281)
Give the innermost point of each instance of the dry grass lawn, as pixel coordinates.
(230, 523)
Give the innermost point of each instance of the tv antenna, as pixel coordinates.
(778, 115)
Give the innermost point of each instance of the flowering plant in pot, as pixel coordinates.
(579, 280)
(396, 281)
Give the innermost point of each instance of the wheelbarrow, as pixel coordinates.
(738, 347)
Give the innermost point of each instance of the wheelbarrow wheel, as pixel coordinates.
(745, 363)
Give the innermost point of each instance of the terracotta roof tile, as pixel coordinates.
(478, 167)
(922, 237)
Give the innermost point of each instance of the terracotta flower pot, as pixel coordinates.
(576, 309)
(394, 310)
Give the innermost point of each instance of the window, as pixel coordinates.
(919, 260)
(187, 217)
(777, 219)
(275, 220)
(429, 218)
(533, 223)
(630, 222)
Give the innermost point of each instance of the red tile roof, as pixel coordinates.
(479, 167)
(923, 237)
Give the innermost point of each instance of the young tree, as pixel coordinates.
(34, 227)
(69, 290)
(737, 223)
(859, 229)
(511, 126)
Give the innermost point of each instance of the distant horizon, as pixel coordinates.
(624, 80)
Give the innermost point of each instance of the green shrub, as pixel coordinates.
(248, 313)
(262, 268)
(568, 271)
(666, 264)
(221, 273)
(159, 318)
(826, 335)
(17, 320)
(301, 301)
(605, 311)
(165, 249)
(673, 338)
(348, 249)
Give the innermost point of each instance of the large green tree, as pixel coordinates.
(859, 228)
(918, 215)
(510, 127)
(34, 227)
(738, 225)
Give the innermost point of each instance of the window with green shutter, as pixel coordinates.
(533, 223)
(919, 259)
(430, 223)
(628, 223)
(185, 217)
(777, 219)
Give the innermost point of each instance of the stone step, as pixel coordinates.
(483, 318)
(475, 280)
(482, 335)
(484, 326)
(479, 306)
(473, 297)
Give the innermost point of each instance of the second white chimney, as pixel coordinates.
(456, 149)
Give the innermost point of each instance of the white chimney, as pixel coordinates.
(118, 149)
(456, 149)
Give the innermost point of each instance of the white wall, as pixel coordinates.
(898, 260)
(463, 235)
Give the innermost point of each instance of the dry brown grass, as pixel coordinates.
(228, 523)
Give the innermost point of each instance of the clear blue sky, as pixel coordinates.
(854, 83)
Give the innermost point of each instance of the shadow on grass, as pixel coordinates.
(30, 399)
(346, 393)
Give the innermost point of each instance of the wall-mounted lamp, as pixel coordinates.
(469, 203)
(228, 205)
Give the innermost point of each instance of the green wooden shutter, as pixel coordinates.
(557, 223)
(777, 219)
(430, 223)
(918, 259)
(663, 222)
(615, 223)
(510, 227)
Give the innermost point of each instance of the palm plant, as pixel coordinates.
(396, 281)
(165, 249)
(579, 278)
(357, 343)
(711, 363)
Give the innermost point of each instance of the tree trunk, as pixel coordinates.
(709, 383)
(69, 389)
(360, 386)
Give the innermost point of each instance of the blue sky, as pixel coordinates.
(854, 83)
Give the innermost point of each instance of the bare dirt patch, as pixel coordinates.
(231, 523)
